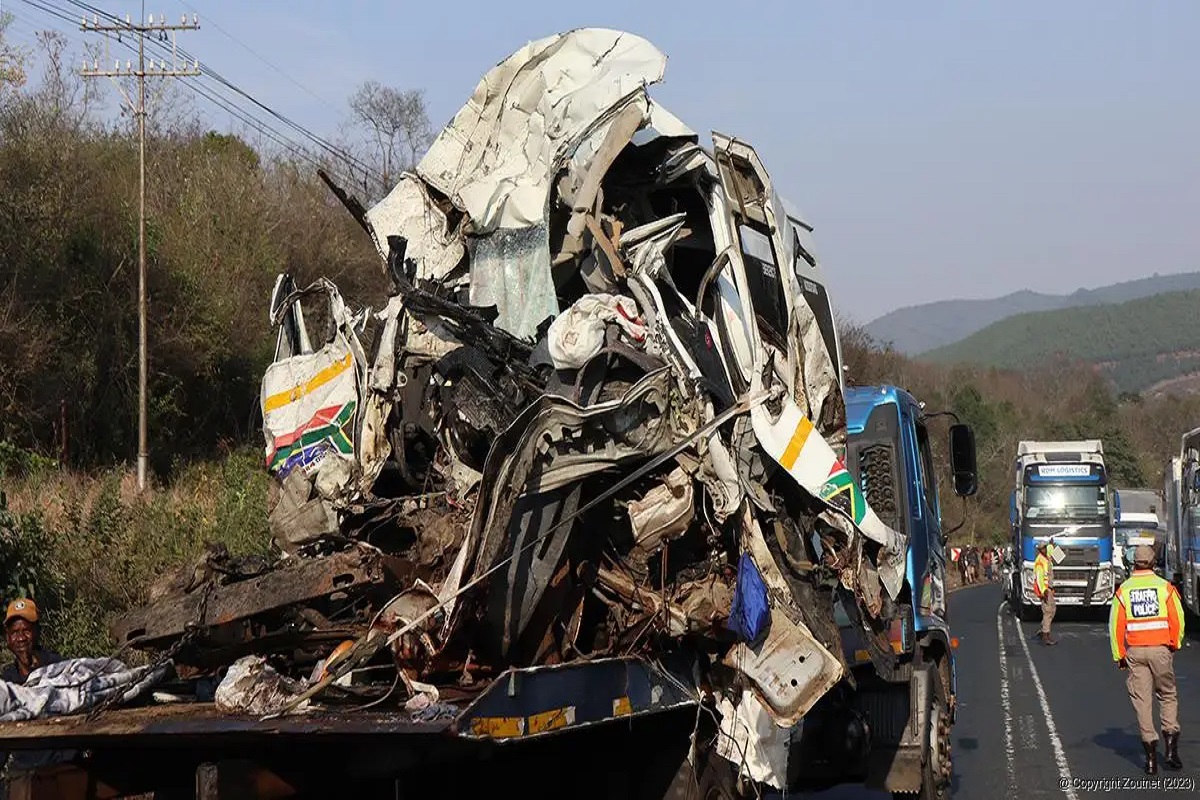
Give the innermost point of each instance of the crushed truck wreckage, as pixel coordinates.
(600, 415)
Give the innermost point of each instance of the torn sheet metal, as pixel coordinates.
(790, 670)
(750, 740)
(408, 211)
(549, 105)
(497, 157)
(553, 445)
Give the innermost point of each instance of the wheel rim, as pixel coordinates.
(939, 746)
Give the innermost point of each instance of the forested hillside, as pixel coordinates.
(1133, 345)
(917, 329)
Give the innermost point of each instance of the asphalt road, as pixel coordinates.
(1034, 719)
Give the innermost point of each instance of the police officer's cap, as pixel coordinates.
(1143, 554)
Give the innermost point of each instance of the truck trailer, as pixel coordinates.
(1061, 494)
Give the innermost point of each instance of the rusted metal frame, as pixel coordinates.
(307, 580)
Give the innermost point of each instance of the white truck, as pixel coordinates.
(1061, 492)
(1142, 522)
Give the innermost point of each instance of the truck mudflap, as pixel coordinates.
(917, 751)
(877, 735)
(539, 701)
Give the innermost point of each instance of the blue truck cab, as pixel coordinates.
(907, 697)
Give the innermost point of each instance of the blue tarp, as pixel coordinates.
(750, 612)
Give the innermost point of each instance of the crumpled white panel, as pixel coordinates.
(408, 211)
(498, 156)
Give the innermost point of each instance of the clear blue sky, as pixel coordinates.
(941, 149)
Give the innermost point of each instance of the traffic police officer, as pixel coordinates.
(1043, 587)
(1145, 628)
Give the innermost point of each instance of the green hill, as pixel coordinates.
(918, 329)
(1135, 344)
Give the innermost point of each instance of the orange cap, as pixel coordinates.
(21, 609)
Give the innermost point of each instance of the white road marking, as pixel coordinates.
(1010, 753)
(1060, 756)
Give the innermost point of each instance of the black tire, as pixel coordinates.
(933, 787)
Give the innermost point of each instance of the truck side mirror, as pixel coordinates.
(1116, 506)
(962, 460)
(1012, 507)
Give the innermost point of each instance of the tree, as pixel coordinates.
(396, 124)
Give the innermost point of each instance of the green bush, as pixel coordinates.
(107, 545)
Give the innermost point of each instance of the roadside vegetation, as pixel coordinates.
(226, 214)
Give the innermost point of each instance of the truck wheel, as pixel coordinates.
(935, 774)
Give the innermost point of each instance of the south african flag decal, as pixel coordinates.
(329, 429)
(841, 492)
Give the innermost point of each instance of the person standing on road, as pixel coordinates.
(1043, 587)
(1145, 627)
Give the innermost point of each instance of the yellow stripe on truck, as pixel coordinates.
(796, 443)
(281, 399)
(498, 727)
(551, 720)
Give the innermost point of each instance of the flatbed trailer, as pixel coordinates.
(611, 728)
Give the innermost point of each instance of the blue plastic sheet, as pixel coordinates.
(750, 612)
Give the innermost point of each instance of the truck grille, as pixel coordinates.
(1080, 556)
(1080, 583)
(1072, 582)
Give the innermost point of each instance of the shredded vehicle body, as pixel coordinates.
(601, 414)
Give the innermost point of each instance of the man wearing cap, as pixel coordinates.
(21, 629)
(21, 633)
(1043, 587)
(1145, 628)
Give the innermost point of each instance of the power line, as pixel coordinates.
(252, 52)
(349, 158)
(270, 132)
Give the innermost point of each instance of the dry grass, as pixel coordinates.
(91, 546)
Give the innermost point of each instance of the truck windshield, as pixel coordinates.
(1066, 502)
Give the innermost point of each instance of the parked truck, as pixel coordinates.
(1061, 494)
(1181, 492)
(1142, 522)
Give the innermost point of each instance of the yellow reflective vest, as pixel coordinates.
(1041, 575)
(1146, 612)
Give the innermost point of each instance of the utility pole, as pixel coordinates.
(163, 70)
